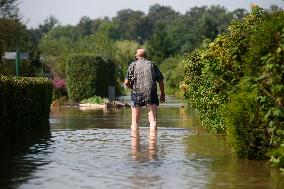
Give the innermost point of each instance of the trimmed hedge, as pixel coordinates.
(88, 75)
(24, 102)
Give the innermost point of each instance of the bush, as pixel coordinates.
(88, 75)
(25, 102)
(243, 119)
(94, 100)
(253, 48)
(172, 69)
(59, 88)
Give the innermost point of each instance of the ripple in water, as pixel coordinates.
(103, 158)
(95, 150)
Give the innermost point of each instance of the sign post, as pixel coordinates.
(17, 62)
(16, 56)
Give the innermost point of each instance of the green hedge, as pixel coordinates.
(24, 102)
(244, 120)
(88, 75)
(237, 85)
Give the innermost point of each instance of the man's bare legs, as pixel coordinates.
(135, 135)
(135, 121)
(152, 116)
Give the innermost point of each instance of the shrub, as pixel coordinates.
(242, 115)
(25, 102)
(216, 85)
(59, 88)
(172, 69)
(94, 100)
(88, 75)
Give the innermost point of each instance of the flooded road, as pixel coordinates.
(94, 149)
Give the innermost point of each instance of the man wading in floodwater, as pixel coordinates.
(142, 77)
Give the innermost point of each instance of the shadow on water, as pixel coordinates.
(22, 153)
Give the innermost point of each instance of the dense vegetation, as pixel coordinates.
(94, 100)
(25, 102)
(236, 84)
(88, 75)
(166, 33)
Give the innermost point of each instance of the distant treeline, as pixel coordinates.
(164, 31)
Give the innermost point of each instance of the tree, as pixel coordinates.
(239, 13)
(160, 45)
(56, 46)
(9, 9)
(128, 22)
(124, 56)
(13, 36)
(85, 26)
(158, 13)
(37, 33)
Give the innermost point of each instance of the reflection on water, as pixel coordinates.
(21, 155)
(96, 149)
(230, 171)
(152, 146)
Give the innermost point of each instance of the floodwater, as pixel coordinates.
(94, 149)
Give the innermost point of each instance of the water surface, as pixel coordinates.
(94, 149)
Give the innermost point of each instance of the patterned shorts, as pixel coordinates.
(139, 99)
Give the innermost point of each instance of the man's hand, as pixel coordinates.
(127, 84)
(162, 97)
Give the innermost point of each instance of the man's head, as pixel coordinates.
(141, 53)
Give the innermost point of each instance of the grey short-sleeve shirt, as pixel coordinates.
(143, 76)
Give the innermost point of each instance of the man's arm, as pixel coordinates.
(127, 83)
(162, 86)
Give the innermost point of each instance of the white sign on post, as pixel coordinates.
(13, 55)
(10, 55)
(16, 56)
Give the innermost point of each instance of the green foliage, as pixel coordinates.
(25, 102)
(129, 23)
(271, 86)
(99, 44)
(13, 36)
(160, 46)
(203, 88)
(88, 75)
(94, 100)
(124, 56)
(172, 69)
(56, 46)
(186, 32)
(216, 84)
(61, 41)
(164, 31)
(249, 135)
(9, 9)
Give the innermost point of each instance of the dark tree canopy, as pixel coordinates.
(9, 9)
